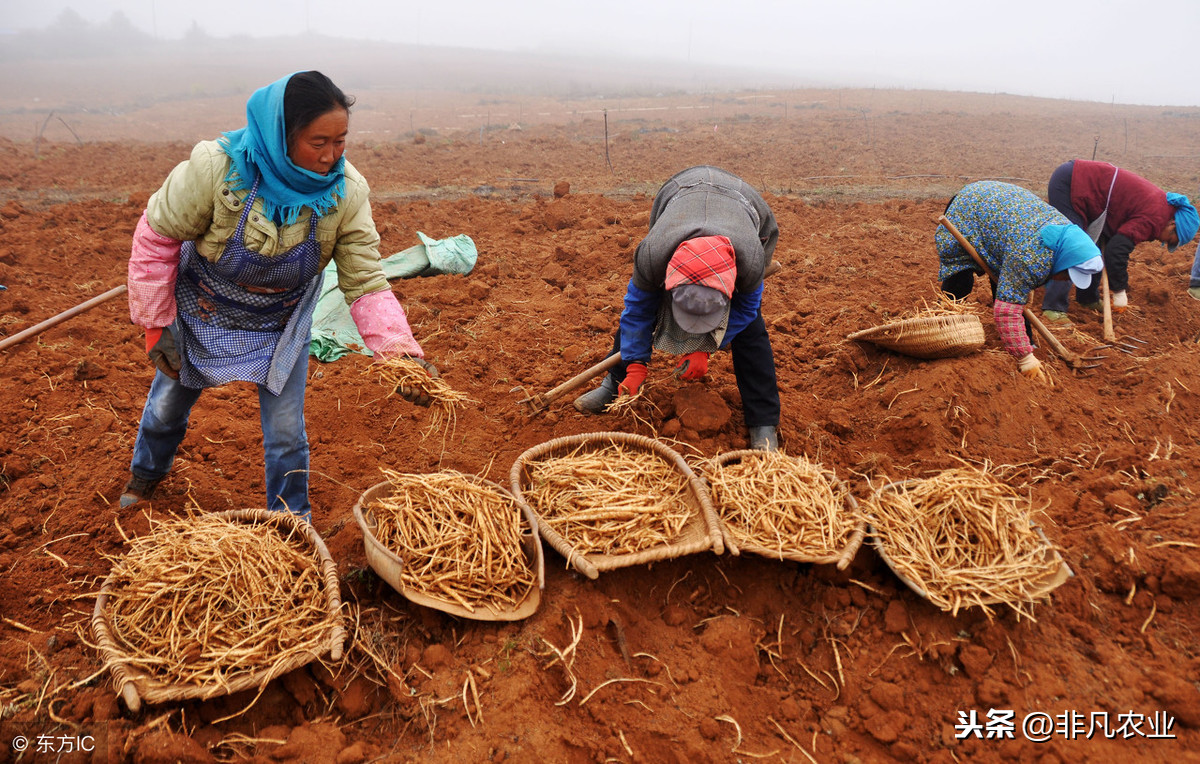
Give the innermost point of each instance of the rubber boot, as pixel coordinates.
(1058, 317)
(138, 489)
(596, 401)
(764, 438)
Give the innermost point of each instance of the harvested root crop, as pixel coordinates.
(459, 538)
(773, 503)
(205, 600)
(944, 305)
(611, 500)
(965, 538)
(402, 371)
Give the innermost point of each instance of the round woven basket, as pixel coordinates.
(388, 564)
(701, 533)
(841, 557)
(880, 542)
(134, 685)
(927, 337)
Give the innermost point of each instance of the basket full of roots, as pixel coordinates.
(453, 542)
(945, 330)
(217, 603)
(784, 507)
(965, 538)
(608, 500)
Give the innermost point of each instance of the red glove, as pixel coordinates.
(635, 375)
(692, 366)
(160, 346)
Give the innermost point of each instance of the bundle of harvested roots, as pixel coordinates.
(204, 599)
(610, 500)
(782, 504)
(459, 538)
(964, 537)
(403, 371)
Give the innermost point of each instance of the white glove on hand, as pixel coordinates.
(1120, 301)
(1031, 368)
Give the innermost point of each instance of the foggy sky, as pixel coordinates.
(1102, 50)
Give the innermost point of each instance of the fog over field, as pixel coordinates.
(1111, 52)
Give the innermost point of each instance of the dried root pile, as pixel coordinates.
(202, 600)
(944, 305)
(460, 539)
(783, 504)
(965, 538)
(402, 371)
(611, 500)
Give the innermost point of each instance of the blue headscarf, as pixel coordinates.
(260, 152)
(1186, 219)
(1070, 244)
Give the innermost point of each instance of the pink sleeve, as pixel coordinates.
(153, 266)
(383, 325)
(1010, 325)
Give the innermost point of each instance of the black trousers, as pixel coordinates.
(753, 368)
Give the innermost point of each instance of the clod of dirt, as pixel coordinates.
(561, 189)
(701, 409)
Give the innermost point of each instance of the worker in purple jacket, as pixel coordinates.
(1119, 210)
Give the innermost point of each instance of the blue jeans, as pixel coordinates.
(1195, 279)
(285, 443)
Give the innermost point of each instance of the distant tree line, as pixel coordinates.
(72, 36)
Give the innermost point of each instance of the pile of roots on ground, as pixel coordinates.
(964, 538)
(612, 500)
(204, 600)
(459, 539)
(781, 505)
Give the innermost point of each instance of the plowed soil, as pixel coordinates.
(699, 658)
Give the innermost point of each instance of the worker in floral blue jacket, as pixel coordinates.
(697, 288)
(1025, 242)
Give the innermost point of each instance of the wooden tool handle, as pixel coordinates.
(25, 334)
(1110, 334)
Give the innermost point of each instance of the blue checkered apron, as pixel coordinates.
(247, 316)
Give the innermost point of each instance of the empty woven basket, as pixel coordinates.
(927, 336)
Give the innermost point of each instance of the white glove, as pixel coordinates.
(1031, 368)
(1120, 301)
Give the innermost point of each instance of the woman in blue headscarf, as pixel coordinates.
(1025, 242)
(225, 272)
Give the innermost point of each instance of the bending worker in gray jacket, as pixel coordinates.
(696, 288)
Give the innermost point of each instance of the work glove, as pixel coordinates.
(415, 394)
(635, 375)
(1031, 368)
(692, 366)
(160, 346)
(1120, 301)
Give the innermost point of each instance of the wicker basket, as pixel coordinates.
(702, 532)
(1060, 577)
(135, 685)
(841, 558)
(388, 564)
(927, 337)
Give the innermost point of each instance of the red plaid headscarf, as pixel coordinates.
(708, 261)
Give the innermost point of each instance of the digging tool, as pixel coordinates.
(1072, 360)
(542, 401)
(1110, 334)
(36, 329)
